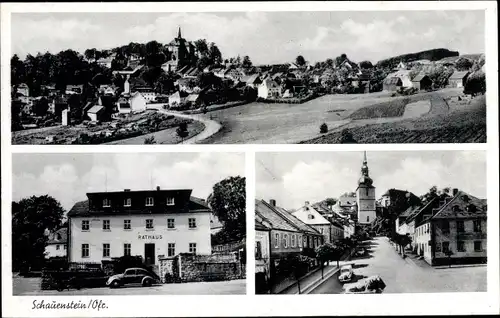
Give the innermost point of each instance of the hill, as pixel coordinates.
(431, 55)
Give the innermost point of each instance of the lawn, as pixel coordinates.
(296, 123)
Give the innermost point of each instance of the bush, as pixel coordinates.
(323, 128)
(149, 140)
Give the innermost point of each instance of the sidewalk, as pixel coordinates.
(309, 279)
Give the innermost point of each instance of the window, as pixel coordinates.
(105, 225)
(192, 248)
(59, 237)
(171, 223)
(310, 216)
(293, 240)
(57, 247)
(367, 218)
(192, 223)
(478, 246)
(321, 230)
(171, 249)
(127, 225)
(106, 250)
(276, 240)
(149, 201)
(446, 227)
(461, 246)
(305, 241)
(149, 224)
(285, 240)
(170, 201)
(477, 226)
(258, 250)
(446, 247)
(127, 202)
(85, 250)
(460, 226)
(106, 203)
(438, 247)
(85, 225)
(65, 247)
(127, 247)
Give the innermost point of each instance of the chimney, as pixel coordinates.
(126, 190)
(157, 188)
(272, 202)
(455, 191)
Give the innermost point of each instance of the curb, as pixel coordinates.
(318, 282)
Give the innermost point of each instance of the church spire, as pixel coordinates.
(364, 159)
(179, 34)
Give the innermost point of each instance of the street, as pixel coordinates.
(31, 286)
(406, 276)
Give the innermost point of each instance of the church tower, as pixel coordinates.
(365, 194)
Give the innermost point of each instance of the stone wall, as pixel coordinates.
(197, 268)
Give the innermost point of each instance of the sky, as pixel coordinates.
(68, 177)
(267, 37)
(291, 178)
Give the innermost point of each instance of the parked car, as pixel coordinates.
(371, 285)
(346, 273)
(360, 252)
(133, 276)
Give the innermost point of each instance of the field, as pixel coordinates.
(119, 131)
(424, 117)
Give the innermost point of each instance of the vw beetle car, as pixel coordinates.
(133, 276)
(346, 273)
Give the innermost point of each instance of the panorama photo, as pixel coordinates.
(371, 222)
(248, 77)
(87, 224)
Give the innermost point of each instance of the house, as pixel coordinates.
(107, 90)
(131, 70)
(458, 79)
(57, 243)
(401, 225)
(194, 100)
(422, 82)
(175, 99)
(287, 94)
(95, 113)
(146, 91)
(262, 255)
(74, 89)
(23, 89)
(269, 89)
(65, 118)
(131, 103)
(404, 77)
(287, 236)
(57, 105)
(149, 223)
(106, 62)
(455, 232)
(234, 74)
(310, 216)
(392, 84)
(401, 66)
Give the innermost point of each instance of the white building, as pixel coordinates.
(151, 224)
(57, 244)
(130, 104)
(365, 195)
(268, 89)
(310, 216)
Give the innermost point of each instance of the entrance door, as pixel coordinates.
(149, 253)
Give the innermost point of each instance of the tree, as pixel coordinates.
(150, 140)
(300, 60)
(325, 253)
(475, 83)
(323, 128)
(340, 59)
(246, 62)
(329, 62)
(463, 64)
(90, 54)
(31, 218)
(228, 203)
(41, 106)
(346, 137)
(201, 47)
(330, 201)
(214, 54)
(366, 65)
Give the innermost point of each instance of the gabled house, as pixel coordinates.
(422, 82)
(268, 89)
(458, 79)
(127, 104)
(95, 113)
(57, 243)
(310, 216)
(74, 89)
(254, 81)
(194, 100)
(23, 89)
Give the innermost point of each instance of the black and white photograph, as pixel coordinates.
(313, 77)
(370, 222)
(88, 224)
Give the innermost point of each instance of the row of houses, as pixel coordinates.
(280, 232)
(403, 78)
(447, 229)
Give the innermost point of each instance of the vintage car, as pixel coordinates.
(371, 285)
(346, 273)
(361, 252)
(133, 276)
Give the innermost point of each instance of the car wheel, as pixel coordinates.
(147, 282)
(115, 284)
